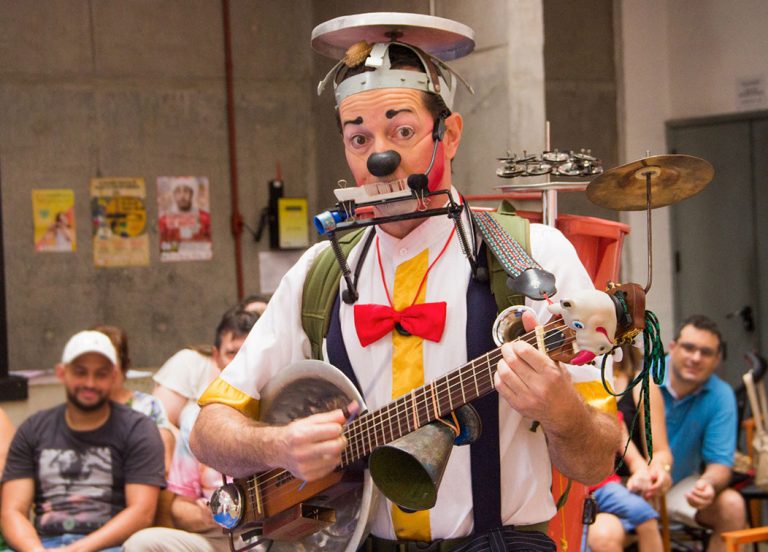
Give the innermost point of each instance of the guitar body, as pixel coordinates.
(304, 388)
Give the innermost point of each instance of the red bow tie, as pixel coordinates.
(426, 320)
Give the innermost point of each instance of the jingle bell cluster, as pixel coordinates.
(554, 162)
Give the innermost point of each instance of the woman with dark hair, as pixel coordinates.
(139, 401)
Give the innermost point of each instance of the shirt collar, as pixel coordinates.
(431, 232)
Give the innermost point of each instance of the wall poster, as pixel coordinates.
(53, 216)
(184, 218)
(119, 217)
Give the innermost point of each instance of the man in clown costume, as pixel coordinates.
(394, 100)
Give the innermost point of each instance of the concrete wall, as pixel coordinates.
(679, 58)
(581, 87)
(114, 88)
(507, 72)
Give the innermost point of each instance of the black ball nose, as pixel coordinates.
(384, 163)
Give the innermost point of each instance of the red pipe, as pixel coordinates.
(236, 219)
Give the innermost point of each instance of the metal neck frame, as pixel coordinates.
(452, 209)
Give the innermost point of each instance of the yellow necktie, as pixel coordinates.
(408, 373)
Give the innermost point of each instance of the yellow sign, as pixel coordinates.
(293, 222)
(119, 219)
(54, 219)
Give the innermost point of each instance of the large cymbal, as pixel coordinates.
(673, 178)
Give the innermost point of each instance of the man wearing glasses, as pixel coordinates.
(701, 425)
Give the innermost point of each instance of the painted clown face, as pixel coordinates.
(396, 120)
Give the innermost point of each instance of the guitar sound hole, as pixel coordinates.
(251, 534)
(554, 339)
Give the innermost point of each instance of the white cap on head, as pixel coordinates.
(89, 342)
(367, 39)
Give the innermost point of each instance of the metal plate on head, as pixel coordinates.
(673, 178)
(443, 38)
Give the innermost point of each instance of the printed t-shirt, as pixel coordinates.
(187, 476)
(187, 372)
(80, 476)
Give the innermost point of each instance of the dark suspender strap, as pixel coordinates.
(337, 351)
(484, 453)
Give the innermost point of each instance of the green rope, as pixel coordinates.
(653, 367)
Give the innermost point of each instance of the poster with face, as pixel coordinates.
(184, 219)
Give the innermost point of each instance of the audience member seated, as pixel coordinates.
(623, 508)
(93, 468)
(187, 373)
(701, 423)
(620, 511)
(139, 401)
(6, 434)
(254, 303)
(192, 482)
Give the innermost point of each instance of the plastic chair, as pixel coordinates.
(676, 536)
(753, 495)
(746, 536)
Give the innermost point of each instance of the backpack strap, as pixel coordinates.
(519, 229)
(320, 289)
(321, 284)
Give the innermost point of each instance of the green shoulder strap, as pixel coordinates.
(518, 229)
(320, 289)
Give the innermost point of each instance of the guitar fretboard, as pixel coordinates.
(419, 407)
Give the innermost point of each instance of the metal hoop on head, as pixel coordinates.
(431, 39)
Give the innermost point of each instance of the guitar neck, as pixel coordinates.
(419, 407)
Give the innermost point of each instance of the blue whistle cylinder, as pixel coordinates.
(328, 220)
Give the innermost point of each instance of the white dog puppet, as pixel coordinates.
(592, 315)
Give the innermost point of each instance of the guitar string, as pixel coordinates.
(486, 387)
(445, 389)
(267, 485)
(377, 419)
(362, 426)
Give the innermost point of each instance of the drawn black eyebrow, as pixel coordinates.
(357, 121)
(391, 113)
